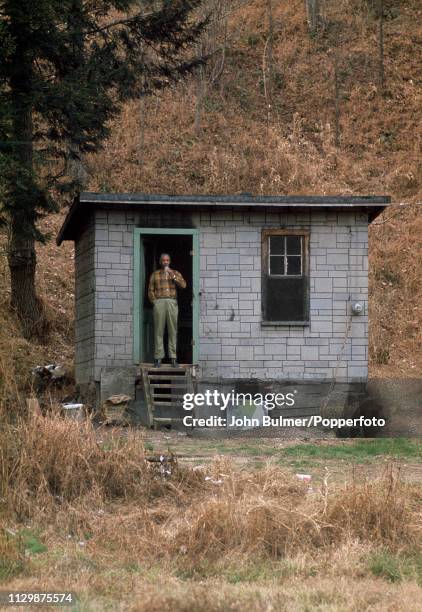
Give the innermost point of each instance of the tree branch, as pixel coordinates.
(116, 22)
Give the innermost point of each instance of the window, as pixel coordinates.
(285, 255)
(285, 279)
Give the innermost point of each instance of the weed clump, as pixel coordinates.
(268, 514)
(50, 463)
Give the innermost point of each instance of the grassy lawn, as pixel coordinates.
(357, 451)
(313, 457)
(306, 453)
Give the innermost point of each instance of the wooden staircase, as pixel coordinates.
(164, 388)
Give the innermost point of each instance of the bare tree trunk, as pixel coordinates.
(141, 144)
(267, 63)
(22, 265)
(200, 95)
(214, 49)
(313, 12)
(381, 46)
(336, 103)
(270, 49)
(23, 198)
(75, 167)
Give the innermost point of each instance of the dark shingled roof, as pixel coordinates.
(86, 200)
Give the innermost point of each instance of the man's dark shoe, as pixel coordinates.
(157, 363)
(174, 363)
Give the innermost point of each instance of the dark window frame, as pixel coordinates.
(265, 268)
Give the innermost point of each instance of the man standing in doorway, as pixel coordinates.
(163, 295)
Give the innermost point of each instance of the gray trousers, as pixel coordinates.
(165, 311)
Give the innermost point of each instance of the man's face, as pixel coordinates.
(165, 261)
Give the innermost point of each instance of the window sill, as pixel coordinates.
(285, 323)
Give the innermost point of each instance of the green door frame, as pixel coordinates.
(139, 283)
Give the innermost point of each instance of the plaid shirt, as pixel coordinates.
(162, 286)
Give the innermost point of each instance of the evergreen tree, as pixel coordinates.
(66, 66)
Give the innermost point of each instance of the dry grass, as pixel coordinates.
(92, 515)
(51, 465)
(238, 150)
(56, 468)
(395, 331)
(270, 515)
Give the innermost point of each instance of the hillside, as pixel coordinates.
(268, 126)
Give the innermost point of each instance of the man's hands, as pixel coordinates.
(170, 272)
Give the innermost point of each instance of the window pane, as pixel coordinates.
(276, 264)
(277, 245)
(294, 245)
(293, 265)
(285, 298)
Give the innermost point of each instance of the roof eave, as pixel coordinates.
(61, 236)
(374, 204)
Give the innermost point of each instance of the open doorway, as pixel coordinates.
(180, 249)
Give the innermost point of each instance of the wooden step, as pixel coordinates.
(167, 385)
(173, 382)
(167, 376)
(163, 373)
(166, 398)
(167, 420)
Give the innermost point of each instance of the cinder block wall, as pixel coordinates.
(85, 304)
(233, 342)
(114, 289)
